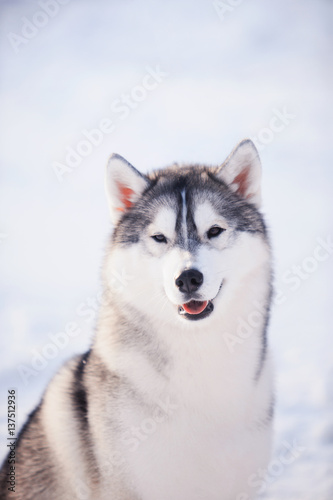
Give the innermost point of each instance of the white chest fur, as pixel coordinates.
(198, 434)
(213, 431)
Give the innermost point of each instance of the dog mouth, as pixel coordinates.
(196, 309)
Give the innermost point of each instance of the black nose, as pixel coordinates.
(189, 281)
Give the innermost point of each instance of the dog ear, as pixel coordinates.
(123, 184)
(242, 172)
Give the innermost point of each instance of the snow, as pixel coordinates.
(220, 78)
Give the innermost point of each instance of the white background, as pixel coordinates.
(228, 74)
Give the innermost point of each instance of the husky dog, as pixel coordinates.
(174, 399)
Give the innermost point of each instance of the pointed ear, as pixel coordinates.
(242, 172)
(123, 184)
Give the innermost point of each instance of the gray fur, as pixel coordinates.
(93, 393)
(200, 183)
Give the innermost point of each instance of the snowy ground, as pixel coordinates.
(221, 74)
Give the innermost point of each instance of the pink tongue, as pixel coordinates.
(195, 306)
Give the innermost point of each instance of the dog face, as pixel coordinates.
(185, 236)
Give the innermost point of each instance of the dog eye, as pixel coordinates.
(160, 238)
(214, 231)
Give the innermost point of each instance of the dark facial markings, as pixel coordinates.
(182, 189)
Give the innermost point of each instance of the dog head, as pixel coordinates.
(185, 237)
